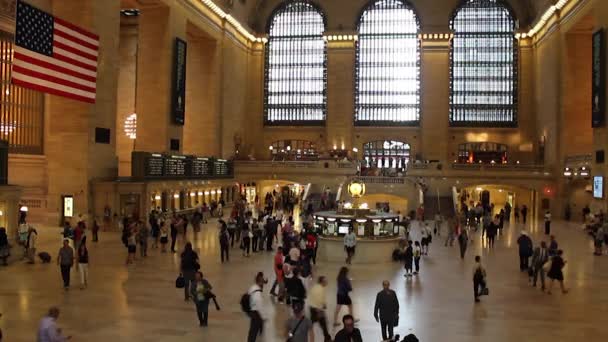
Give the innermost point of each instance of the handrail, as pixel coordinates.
(498, 167)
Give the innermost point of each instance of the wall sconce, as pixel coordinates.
(584, 171)
(192, 194)
(200, 193)
(176, 196)
(568, 172)
(206, 193)
(157, 197)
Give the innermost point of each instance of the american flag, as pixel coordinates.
(54, 56)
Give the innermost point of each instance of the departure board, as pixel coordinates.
(168, 166)
(199, 167)
(175, 166)
(155, 165)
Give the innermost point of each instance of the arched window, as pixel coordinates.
(295, 73)
(483, 59)
(387, 80)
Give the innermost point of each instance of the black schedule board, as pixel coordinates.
(171, 166)
(199, 167)
(598, 89)
(175, 166)
(178, 96)
(221, 167)
(154, 165)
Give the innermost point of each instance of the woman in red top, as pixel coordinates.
(278, 271)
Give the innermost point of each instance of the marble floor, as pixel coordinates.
(140, 302)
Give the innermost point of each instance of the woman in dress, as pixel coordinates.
(555, 271)
(343, 297)
(200, 292)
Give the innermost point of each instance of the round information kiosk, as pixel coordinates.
(377, 235)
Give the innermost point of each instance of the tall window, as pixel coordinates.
(483, 65)
(295, 78)
(21, 110)
(388, 65)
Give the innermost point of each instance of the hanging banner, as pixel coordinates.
(178, 96)
(598, 89)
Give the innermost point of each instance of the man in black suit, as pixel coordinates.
(386, 310)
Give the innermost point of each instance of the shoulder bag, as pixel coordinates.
(290, 337)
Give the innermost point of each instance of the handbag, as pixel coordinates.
(290, 338)
(485, 291)
(180, 282)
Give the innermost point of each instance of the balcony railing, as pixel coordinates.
(380, 180)
(297, 164)
(499, 167)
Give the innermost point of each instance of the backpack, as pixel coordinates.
(246, 301)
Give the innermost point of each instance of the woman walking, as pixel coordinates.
(343, 297)
(556, 272)
(408, 257)
(200, 292)
(131, 244)
(189, 267)
(463, 241)
(83, 264)
(164, 236)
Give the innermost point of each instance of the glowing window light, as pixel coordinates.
(130, 126)
(7, 128)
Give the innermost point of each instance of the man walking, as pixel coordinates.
(479, 279)
(386, 310)
(224, 242)
(256, 305)
(539, 258)
(318, 304)
(65, 260)
(525, 250)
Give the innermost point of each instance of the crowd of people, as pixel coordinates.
(256, 228)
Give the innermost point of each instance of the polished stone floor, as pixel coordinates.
(140, 302)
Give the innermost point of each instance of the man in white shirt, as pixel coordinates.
(48, 331)
(257, 314)
(317, 300)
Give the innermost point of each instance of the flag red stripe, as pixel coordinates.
(74, 51)
(75, 40)
(76, 28)
(73, 61)
(52, 91)
(53, 79)
(28, 59)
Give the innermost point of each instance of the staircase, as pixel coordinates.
(444, 205)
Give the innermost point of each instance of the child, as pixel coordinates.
(408, 255)
(417, 253)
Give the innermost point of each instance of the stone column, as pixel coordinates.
(201, 131)
(340, 94)
(158, 28)
(73, 156)
(435, 95)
